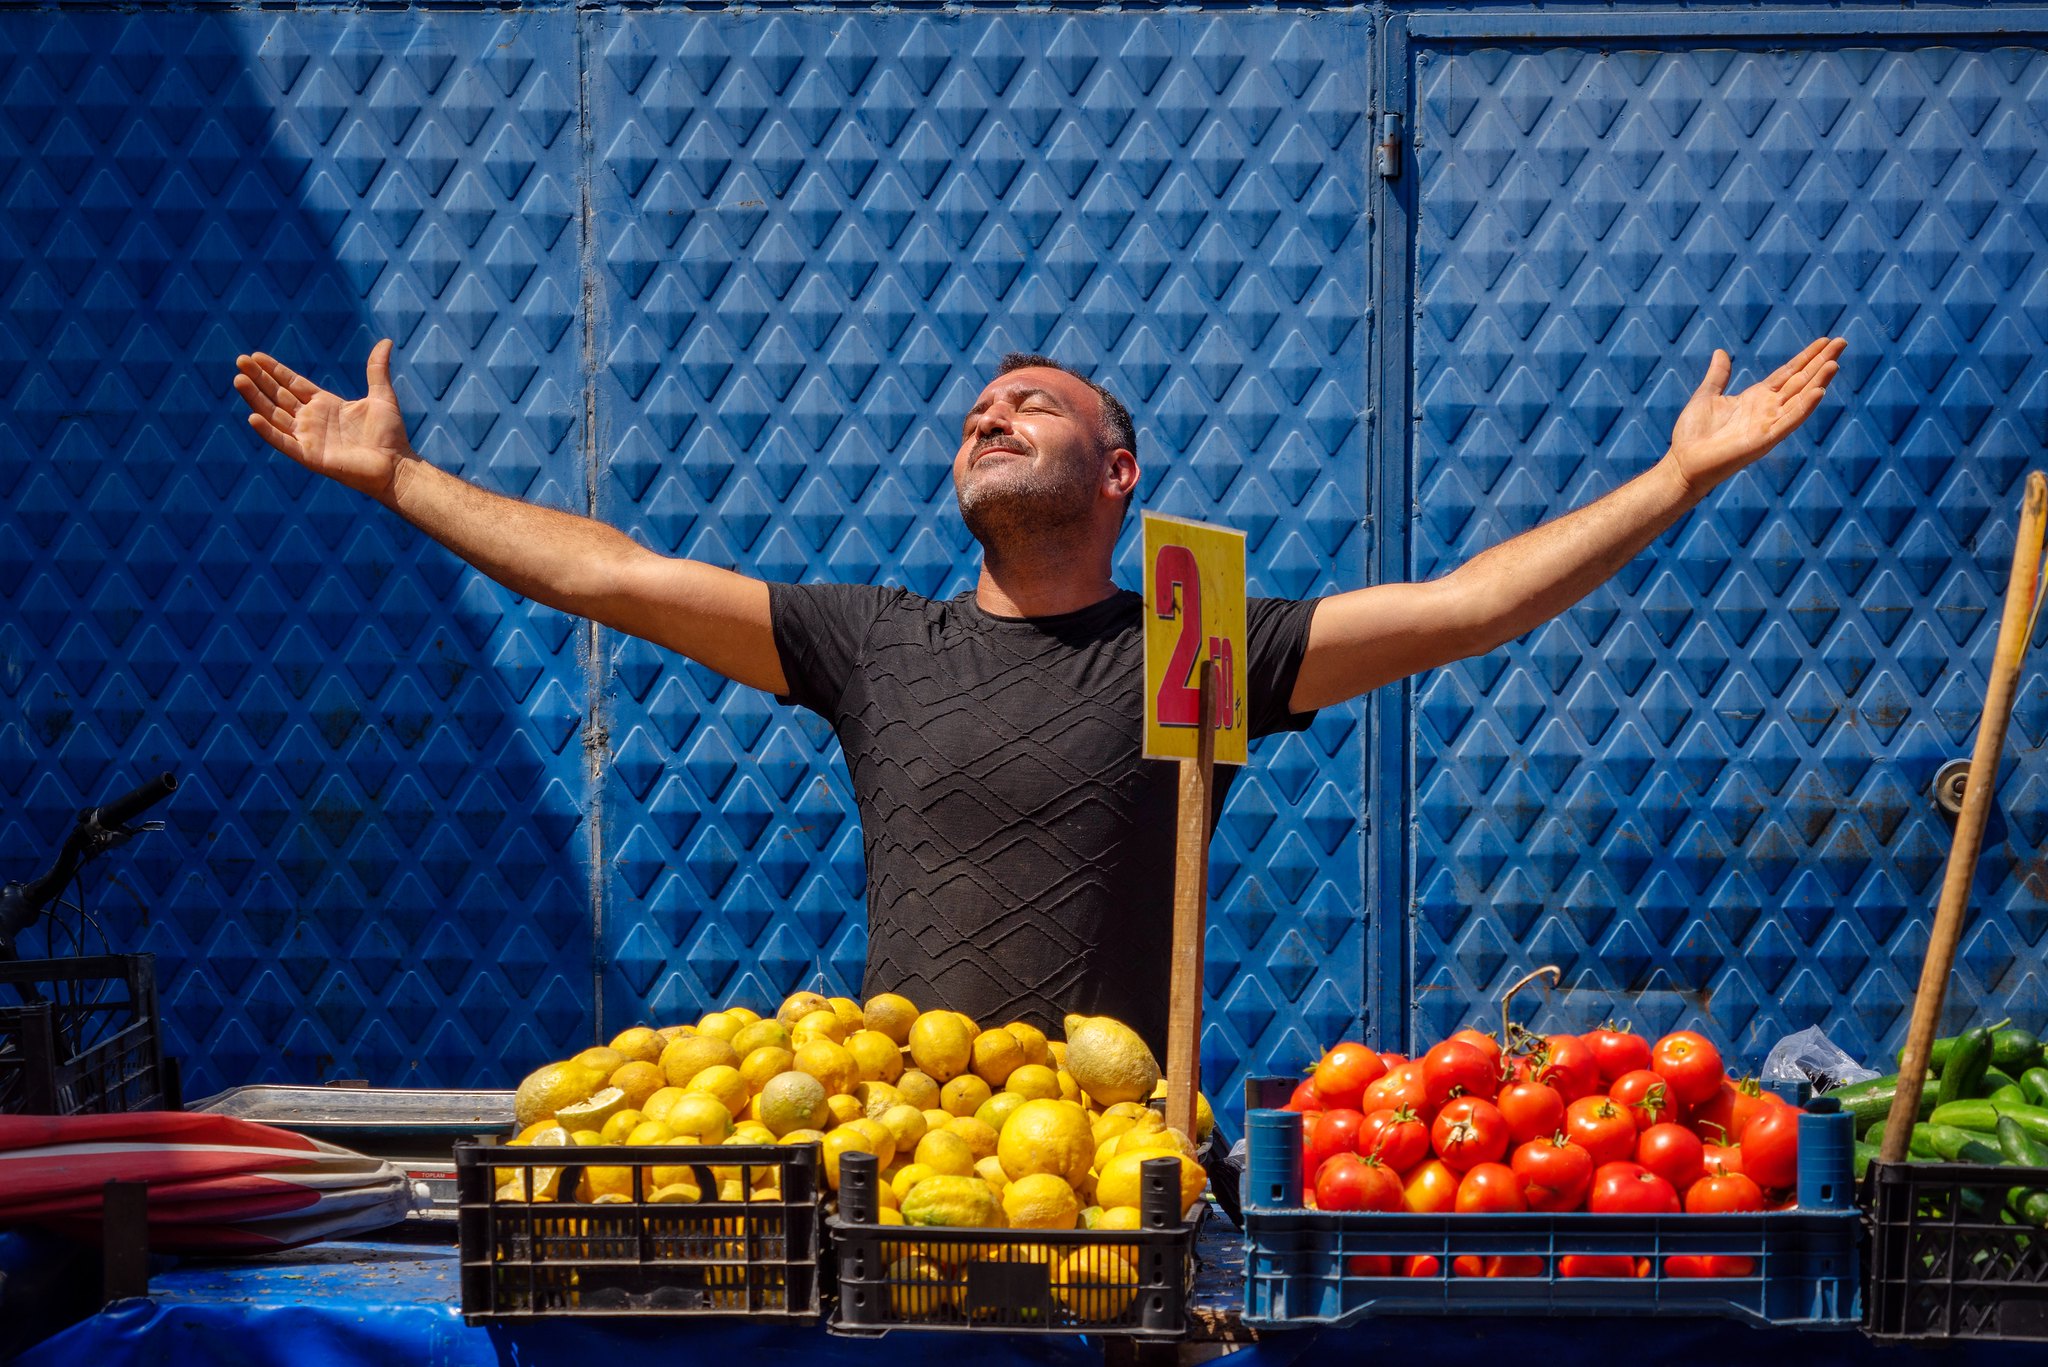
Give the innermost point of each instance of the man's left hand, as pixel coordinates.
(1720, 433)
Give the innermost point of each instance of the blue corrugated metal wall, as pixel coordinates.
(1706, 791)
(728, 279)
(809, 235)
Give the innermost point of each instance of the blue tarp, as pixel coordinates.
(390, 1302)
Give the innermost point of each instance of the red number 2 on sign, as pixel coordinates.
(1179, 594)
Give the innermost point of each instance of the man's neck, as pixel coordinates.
(1043, 586)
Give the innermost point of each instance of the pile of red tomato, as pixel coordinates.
(1605, 1122)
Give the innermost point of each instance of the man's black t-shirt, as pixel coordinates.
(1019, 848)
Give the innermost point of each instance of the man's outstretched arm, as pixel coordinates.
(1361, 640)
(715, 617)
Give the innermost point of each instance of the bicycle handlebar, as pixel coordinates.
(130, 805)
(96, 831)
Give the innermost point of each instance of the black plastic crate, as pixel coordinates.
(1948, 1259)
(1132, 1283)
(80, 1036)
(643, 1255)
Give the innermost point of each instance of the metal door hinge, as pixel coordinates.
(1386, 153)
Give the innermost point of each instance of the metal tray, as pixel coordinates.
(386, 1112)
(416, 1129)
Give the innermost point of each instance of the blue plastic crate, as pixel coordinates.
(1298, 1262)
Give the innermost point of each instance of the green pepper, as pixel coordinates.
(1966, 1065)
(2013, 1047)
(2034, 1082)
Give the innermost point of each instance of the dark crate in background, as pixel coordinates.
(747, 1259)
(1948, 1260)
(80, 1036)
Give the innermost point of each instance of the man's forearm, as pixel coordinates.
(557, 558)
(1527, 580)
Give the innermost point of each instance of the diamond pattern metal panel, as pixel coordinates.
(1704, 792)
(818, 232)
(374, 867)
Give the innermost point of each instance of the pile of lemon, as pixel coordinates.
(972, 1127)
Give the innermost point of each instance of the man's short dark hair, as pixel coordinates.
(1116, 419)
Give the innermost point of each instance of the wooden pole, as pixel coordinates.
(1190, 914)
(2014, 627)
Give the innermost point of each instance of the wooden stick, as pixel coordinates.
(2014, 627)
(1190, 914)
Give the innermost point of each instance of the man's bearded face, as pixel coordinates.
(1030, 458)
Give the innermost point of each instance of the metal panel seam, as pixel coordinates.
(597, 735)
(1391, 791)
(1784, 23)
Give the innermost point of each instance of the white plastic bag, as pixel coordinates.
(1810, 1056)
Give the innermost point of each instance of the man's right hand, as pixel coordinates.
(359, 442)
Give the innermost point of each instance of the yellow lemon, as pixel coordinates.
(990, 1170)
(997, 1109)
(656, 1106)
(804, 1136)
(1047, 1136)
(919, 1089)
(1109, 1060)
(688, 1055)
(981, 1140)
(1070, 1090)
(920, 1289)
(676, 1193)
(876, 1055)
(1040, 1201)
(909, 1176)
(875, 1098)
(997, 1054)
(881, 1140)
(964, 1095)
(793, 1101)
(797, 1005)
(638, 1080)
(649, 1132)
(1120, 1182)
(673, 1032)
(747, 1014)
(638, 1045)
(935, 1119)
(591, 1114)
(824, 1025)
(764, 1063)
(619, 1126)
(1033, 1082)
(760, 1035)
(601, 1057)
(844, 1108)
(546, 1090)
(1094, 1284)
(941, 1045)
(751, 1132)
(725, 1083)
(1124, 1218)
(848, 1010)
(891, 1014)
(907, 1124)
(842, 1141)
(1032, 1041)
(830, 1064)
(964, 1202)
(700, 1116)
(720, 1025)
(1205, 1117)
(945, 1153)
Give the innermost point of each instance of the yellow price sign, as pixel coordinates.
(1194, 611)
